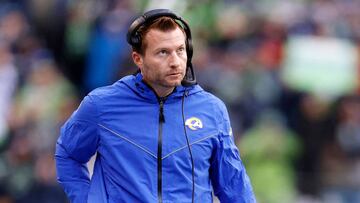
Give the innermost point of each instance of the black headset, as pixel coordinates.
(134, 39)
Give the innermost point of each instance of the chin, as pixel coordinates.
(173, 83)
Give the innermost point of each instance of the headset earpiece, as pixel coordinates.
(136, 39)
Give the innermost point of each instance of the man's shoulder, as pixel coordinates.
(107, 92)
(210, 98)
(101, 92)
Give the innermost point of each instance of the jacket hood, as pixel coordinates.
(137, 85)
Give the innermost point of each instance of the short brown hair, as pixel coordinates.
(163, 24)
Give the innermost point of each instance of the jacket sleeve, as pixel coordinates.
(228, 175)
(76, 144)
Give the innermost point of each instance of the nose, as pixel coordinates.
(174, 60)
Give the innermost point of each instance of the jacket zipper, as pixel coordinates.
(159, 152)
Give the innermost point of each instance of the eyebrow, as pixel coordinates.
(167, 48)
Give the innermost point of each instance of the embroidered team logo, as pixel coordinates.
(194, 123)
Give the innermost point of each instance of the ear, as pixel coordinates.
(138, 59)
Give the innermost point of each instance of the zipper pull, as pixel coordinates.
(161, 113)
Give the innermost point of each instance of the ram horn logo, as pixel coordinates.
(194, 123)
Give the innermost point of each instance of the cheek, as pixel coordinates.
(184, 61)
(152, 70)
(149, 71)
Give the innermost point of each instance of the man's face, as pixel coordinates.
(163, 63)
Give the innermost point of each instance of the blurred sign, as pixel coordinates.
(325, 66)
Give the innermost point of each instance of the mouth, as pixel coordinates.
(174, 74)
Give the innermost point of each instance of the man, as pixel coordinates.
(158, 136)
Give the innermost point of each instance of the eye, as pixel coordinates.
(181, 50)
(163, 52)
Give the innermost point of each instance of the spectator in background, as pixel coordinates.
(8, 84)
(269, 149)
(42, 102)
(17, 166)
(41, 105)
(341, 160)
(108, 48)
(81, 17)
(13, 24)
(5, 196)
(44, 188)
(315, 126)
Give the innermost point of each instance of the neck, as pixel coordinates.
(163, 92)
(160, 91)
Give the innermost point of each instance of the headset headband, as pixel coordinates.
(134, 38)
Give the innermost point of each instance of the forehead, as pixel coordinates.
(156, 38)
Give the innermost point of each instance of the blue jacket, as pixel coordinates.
(142, 154)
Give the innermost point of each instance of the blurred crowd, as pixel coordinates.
(298, 145)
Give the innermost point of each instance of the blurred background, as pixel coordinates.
(288, 72)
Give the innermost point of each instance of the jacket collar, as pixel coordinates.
(136, 84)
